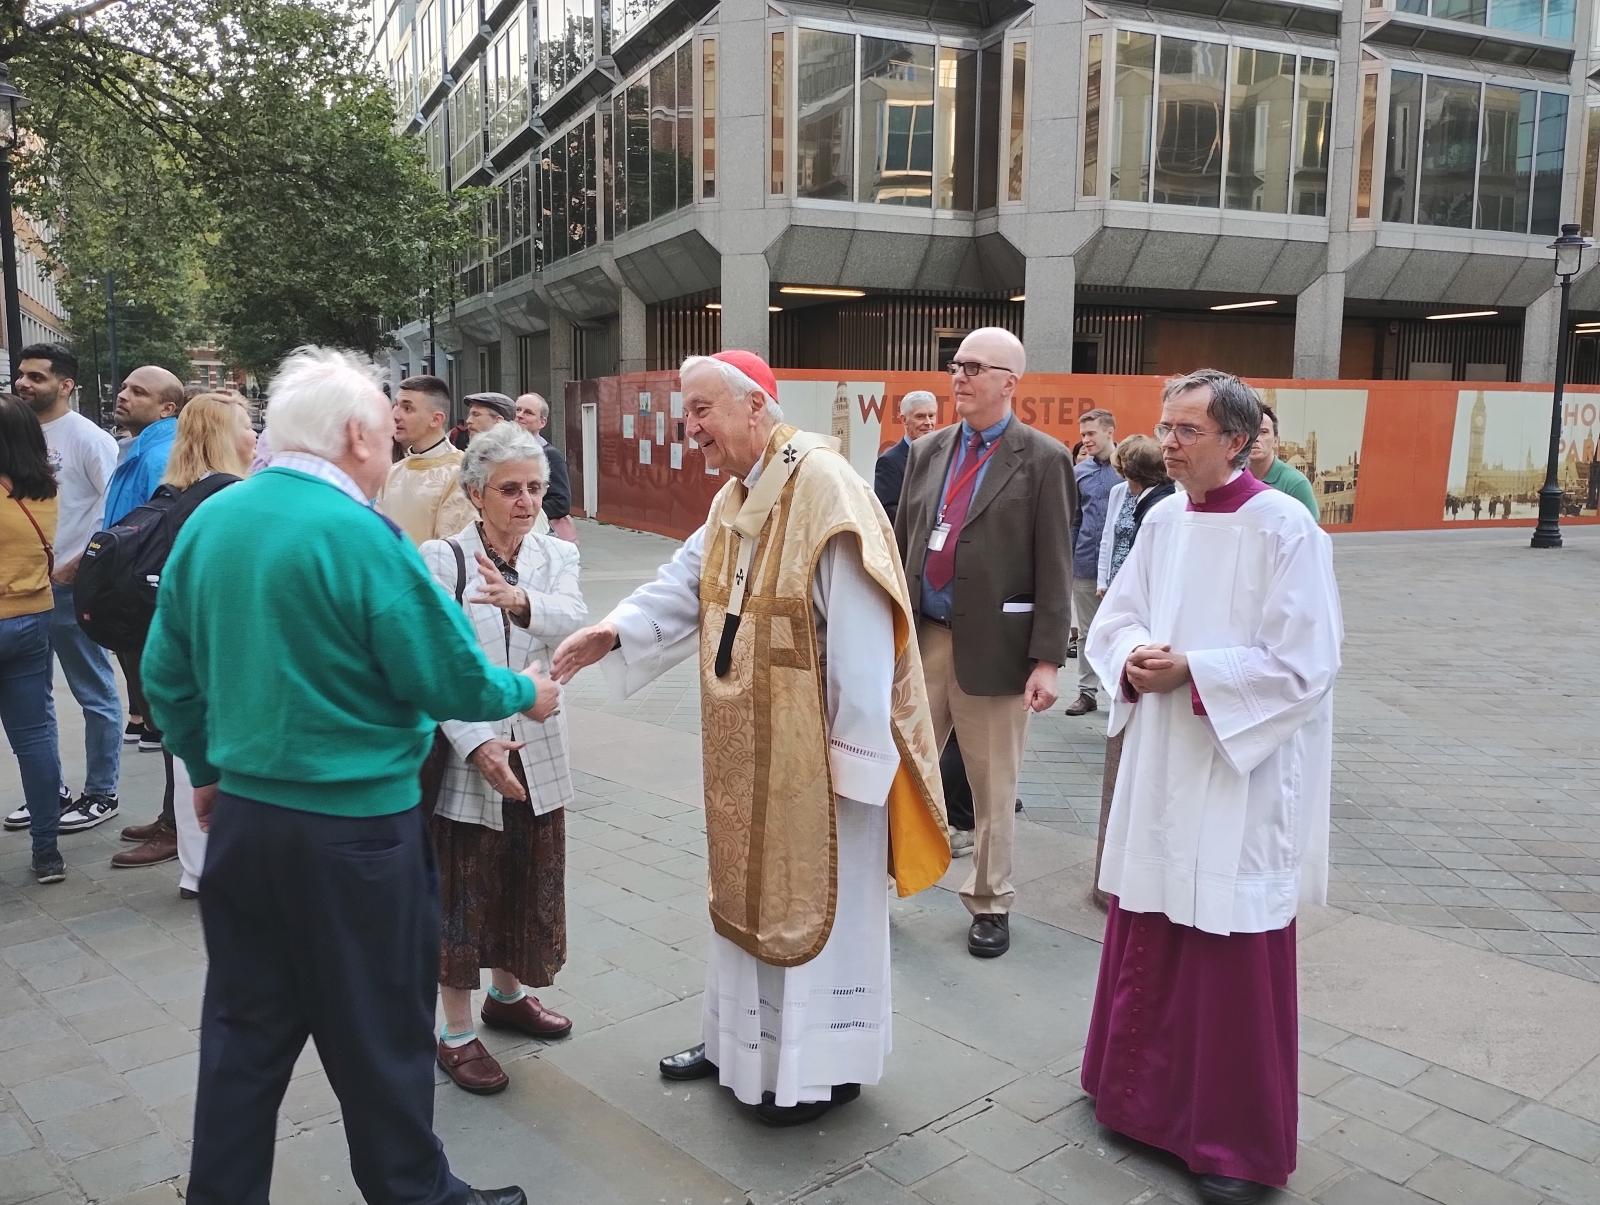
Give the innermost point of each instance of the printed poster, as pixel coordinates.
(677, 456)
(644, 451)
(627, 426)
(1500, 452)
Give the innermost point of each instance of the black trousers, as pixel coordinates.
(326, 927)
(137, 705)
(957, 791)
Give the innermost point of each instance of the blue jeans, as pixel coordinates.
(30, 724)
(94, 684)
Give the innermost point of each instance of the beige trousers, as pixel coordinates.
(993, 732)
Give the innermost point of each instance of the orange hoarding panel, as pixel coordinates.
(1381, 455)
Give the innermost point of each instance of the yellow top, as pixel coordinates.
(24, 567)
(423, 494)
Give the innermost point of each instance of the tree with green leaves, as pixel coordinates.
(237, 166)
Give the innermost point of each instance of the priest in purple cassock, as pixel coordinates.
(1222, 633)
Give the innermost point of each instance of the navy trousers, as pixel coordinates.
(957, 791)
(323, 927)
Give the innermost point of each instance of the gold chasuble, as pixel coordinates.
(771, 825)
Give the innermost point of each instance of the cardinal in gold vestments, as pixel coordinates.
(821, 772)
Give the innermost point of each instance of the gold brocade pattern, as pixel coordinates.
(770, 823)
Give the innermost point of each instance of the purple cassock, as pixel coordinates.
(1193, 1045)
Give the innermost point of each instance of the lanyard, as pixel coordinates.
(957, 484)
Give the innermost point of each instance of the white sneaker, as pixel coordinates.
(18, 819)
(960, 843)
(89, 812)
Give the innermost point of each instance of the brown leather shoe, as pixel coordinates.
(527, 1016)
(1082, 705)
(473, 1069)
(143, 832)
(163, 847)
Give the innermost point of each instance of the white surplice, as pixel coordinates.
(798, 1031)
(1220, 820)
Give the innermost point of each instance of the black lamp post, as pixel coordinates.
(1569, 249)
(10, 102)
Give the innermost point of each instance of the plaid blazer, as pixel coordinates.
(547, 569)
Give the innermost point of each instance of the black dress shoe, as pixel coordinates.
(799, 1115)
(497, 1196)
(990, 935)
(1225, 1190)
(688, 1064)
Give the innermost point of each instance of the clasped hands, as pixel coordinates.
(1154, 669)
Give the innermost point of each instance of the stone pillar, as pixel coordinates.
(561, 332)
(633, 353)
(1539, 335)
(746, 293)
(1048, 318)
(742, 181)
(1319, 328)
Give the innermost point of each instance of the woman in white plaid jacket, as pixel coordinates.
(498, 827)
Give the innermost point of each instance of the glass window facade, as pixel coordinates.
(1541, 18)
(567, 43)
(1089, 186)
(508, 84)
(957, 127)
(897, 118)
(430, 58)
(653, 151)
(466, 125)
(434, 150)
(1473, 155)
(825, 127)
(508, 246)
(626, 16)
(708, 119)
(569, 198)
(883, 120)
(1213, 125)
(464, 17)
(1017, 121)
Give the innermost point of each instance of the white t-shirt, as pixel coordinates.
(84, 458)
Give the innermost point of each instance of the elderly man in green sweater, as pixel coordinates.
(300, 657)
(1280, 475)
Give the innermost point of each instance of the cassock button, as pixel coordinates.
(1138, 970)
(1127, 1092)
(1134, 1031)
(1138, 949)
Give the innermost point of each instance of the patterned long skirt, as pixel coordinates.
(502, 896)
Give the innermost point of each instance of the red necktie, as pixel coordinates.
(939, 570)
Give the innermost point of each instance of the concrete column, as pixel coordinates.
(508, 362)
(742, 166)
(1048, 318)
(746, 293)
(633, 354)
(1319, 328)
(561, 331)
(1539, 334)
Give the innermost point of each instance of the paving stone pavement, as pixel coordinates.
(1449, 1033)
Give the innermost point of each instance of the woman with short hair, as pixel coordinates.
(27, 558)
(498, 826)
(1144, 483)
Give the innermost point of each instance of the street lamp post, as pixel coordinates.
(1569, 249)
(10, 102)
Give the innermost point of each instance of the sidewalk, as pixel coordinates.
(1450, 1009)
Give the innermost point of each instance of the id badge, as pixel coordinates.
(937, 537)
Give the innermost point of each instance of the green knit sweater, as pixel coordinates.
(301, 652)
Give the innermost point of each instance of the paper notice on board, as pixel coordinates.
(627, 426)
(694, 444)
(644, 403)
(677, 405)
(661, 426)
(677, 456)
(644, 451)
(710, 472)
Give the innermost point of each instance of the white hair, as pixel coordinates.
(503, 443)
(316, 394)
(736, 380)
(915, 400)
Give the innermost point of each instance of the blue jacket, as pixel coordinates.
(140, 470)
(1095, 479)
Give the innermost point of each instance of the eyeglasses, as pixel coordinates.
(513, 490)
(971, 368)
(1186, 433)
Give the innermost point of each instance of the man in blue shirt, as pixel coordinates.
(148, 407)
(1095, 477)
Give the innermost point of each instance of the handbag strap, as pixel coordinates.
(461, 570)
(49, 552)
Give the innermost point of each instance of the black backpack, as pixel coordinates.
(114, 593)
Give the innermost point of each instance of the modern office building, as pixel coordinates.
(1307, 188)
(39, 305)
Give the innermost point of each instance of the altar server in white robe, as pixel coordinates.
(821, 772)
(1222, 632)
